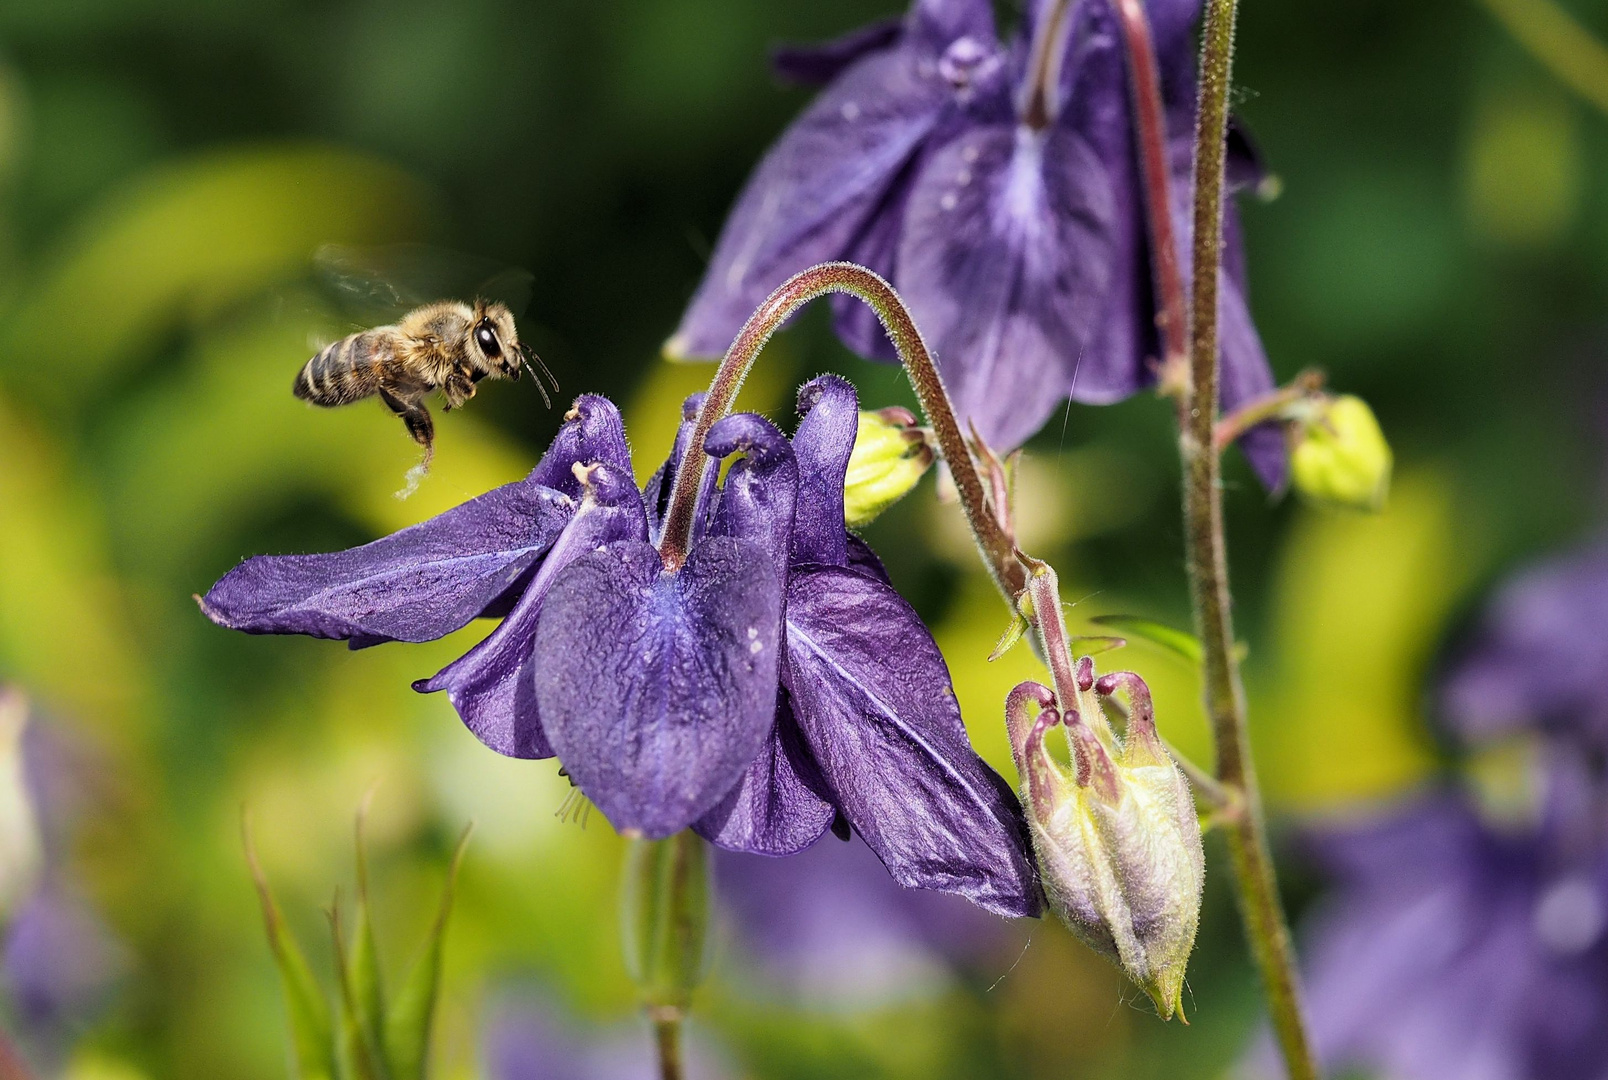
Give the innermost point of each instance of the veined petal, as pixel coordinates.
(816, 188)
(942, 21)
(779, 807)
(414, 585)
(874, 700)
(491, 684)
(823, 442)
(1005, 263)
(761, 488)
(658, 689)
(592, 433)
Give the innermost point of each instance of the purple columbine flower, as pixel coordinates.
(772, 687)
(1539, 660)
(996, 186)
(1452, 948)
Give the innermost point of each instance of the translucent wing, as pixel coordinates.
(375, 285)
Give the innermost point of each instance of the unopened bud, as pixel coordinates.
(1341, 457)
(890, 457)
(1116, 835)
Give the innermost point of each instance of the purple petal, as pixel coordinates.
(1005, 263)
(414, 585)
(863, 559)
(757, 499)
(1540, 656)
(823, 443)
(777, 808)
(816, 189)
(490, 685)
(1245, 371)
(943, 21)
(656, 495)
(876, 706)
(592, 433)
(658, 689)
(817, 65)
(876, 249)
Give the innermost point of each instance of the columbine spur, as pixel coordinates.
(770, 688)
(996, 186)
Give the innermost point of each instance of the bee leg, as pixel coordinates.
(415, 417)
(458, 388)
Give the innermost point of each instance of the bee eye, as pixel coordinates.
(487, 340)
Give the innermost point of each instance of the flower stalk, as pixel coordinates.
(1207, 563)
(664, 924)
(841, 277)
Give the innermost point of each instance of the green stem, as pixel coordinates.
(878, 295)
(1558, 41)
(1207, 562)
(667, 1040)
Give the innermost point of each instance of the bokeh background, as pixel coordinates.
(167, 169)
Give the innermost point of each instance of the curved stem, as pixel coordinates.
(1206, 558)
(1044, 70)
(794, 293)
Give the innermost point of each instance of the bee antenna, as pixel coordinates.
(526, 355)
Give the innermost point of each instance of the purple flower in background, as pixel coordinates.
(685, 698)
(830, 928)
(530, 1038)
(1452, 949)
(996, 186)
(1540, 657)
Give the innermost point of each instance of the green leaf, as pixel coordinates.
(1178, 641)
(407, 1029)
(361, 1057)
(311, 1035)
(363, 959)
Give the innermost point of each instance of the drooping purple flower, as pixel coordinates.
(768, 687)
(1454, 949)
(996, 186)
(1539, 660)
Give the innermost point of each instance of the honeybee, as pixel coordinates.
(447, 346)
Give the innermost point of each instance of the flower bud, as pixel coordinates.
(890, 456)
(1341, 457)
(1116, 836)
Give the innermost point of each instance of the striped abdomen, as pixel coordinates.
(347, 370)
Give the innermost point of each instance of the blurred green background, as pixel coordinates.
(166, 171)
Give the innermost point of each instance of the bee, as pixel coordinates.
(447, 346)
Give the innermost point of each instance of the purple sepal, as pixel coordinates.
(819, 64)
(882, 721)
(490, 685)
(777, 808)
(814, 191)
(657, 689)
(415, 585)
(1004, 262)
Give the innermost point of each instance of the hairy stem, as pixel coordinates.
(794, 293)
(1266, 407)
(1207, 563)
(1044, 69)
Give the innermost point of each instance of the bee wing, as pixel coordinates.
(511, 287)
(374, 285)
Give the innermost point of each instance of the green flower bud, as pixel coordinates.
(1116, 835)
(1341, 457)
(889, 458)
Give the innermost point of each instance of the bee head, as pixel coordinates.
(493, 341)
